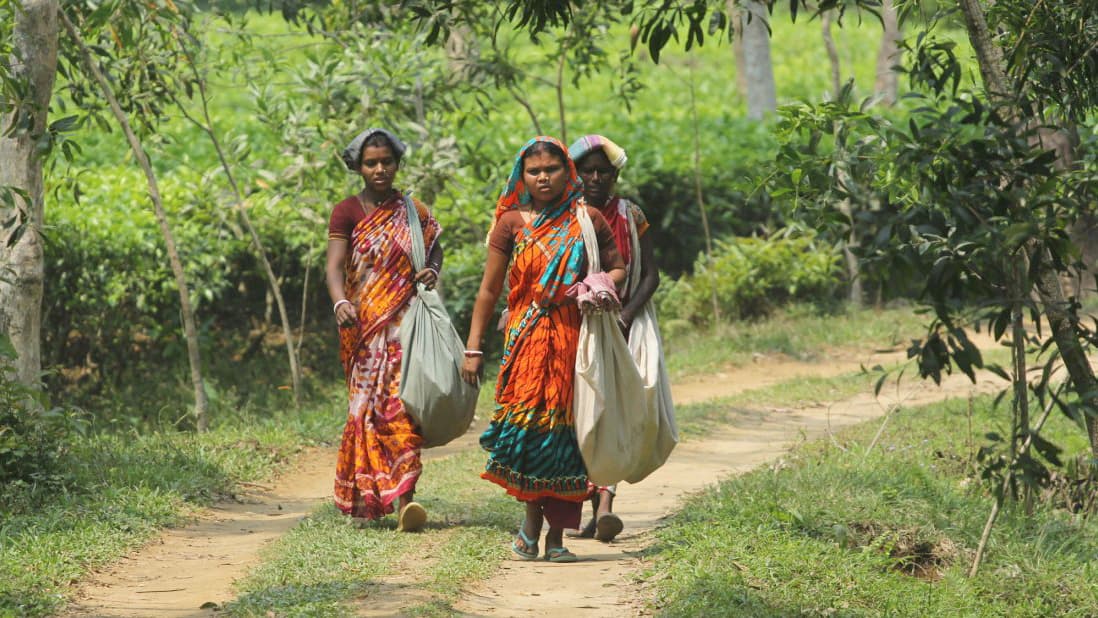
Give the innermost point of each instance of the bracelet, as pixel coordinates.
(434, 270)
(473, 353)
(335, 307)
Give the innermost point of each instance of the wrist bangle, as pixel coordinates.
(472, 353)
(335, 307)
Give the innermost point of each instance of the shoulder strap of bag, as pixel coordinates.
(590, 239)
(634, 276)
(418, 255)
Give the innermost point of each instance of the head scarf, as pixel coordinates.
(352, 154)
(590, 143)
(619, 225)
(515, 193)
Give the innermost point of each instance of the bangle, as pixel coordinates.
(434, 270)
(472, 353)
(335, 307)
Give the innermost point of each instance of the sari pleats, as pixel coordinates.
(531, 439)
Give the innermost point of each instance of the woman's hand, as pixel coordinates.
(428, 277)
(345, 314)
(472, 369)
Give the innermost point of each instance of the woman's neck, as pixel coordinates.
(598, 204)
(374, 197)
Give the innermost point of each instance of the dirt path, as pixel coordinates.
(599, 584)
(185, 568)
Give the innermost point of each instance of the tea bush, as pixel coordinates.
(752, 276)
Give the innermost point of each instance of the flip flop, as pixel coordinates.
(607, 527)
(560, 554)
(411, 518)
(531, 551)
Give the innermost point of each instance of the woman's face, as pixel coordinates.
(378, 169)
(598, 178)
(545, 176)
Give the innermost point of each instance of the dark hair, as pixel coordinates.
(379, 140)
(546, 147)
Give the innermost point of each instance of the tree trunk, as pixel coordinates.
(190, 331)
(832, 55)
(1049, 287)
(887, 88)
(698, 196)
(274, 288)
(560, 95)
(759, 71)
(736, 17)
(33, 64)
(1071, 350)
(988, 54)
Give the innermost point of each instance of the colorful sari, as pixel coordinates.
(531, 439)
(379, 455)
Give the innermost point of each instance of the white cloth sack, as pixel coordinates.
(612, 428)
(430, 366)
(646, 348)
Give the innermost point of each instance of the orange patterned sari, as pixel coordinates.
(379, 456)
(531, 439)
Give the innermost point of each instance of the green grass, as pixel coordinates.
(801, 332)
(124, 488)
(325, 565)
(828, 533)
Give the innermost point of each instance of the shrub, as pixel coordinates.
(34, 439)
(753, 276)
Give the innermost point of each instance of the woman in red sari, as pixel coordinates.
(371, 281)
(536, 245)
(598, 161)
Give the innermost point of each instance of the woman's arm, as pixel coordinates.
(495, 268)
(346, 312)
(650, 280)
(430, 273)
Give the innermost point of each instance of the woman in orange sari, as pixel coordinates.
(371, 281)
(536, 245)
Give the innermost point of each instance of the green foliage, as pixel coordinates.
(828, 175)
(750, 277)
(1050, 51)
(35, 440)
(285, 102)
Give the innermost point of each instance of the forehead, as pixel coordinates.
(597, 158)
(541, 159)
(377, 152)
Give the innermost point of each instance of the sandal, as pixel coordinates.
(560, 554)
(531, 545)
(411, 517)
(607, 527)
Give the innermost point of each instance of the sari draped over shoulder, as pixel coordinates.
(379, 454)
(531, 439)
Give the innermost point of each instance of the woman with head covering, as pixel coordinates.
(536, 245)
(598, 161)
(371, 281)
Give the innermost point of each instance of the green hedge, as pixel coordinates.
(752, 276)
